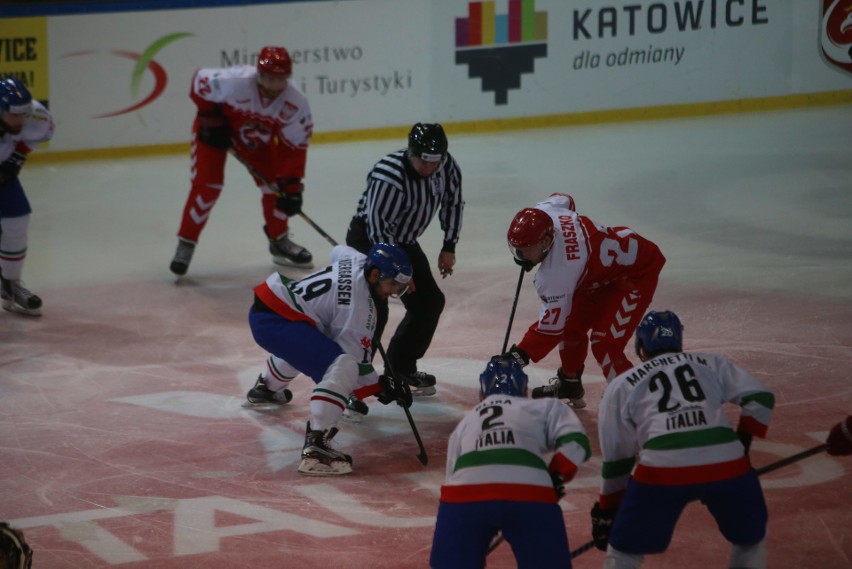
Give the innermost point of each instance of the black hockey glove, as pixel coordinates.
(527, 266)
(393, 390)
(213, 129)
(11, 167)
(558, 484)
(290, 196)
(517, 354)
(14, 550)
(745, 439)
(601, 525)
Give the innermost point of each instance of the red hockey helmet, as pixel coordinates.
(529, 227)
(274, 61)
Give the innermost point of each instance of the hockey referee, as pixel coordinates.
(404, 191)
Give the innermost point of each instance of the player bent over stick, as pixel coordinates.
(595, 283)
(322, 326)
(671, 407)
(265, 119)
(501, 477)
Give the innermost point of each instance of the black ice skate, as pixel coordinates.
(356, 409)
(319, 459)
(287, 253)
(420, 382)
(564, 387)
(16, 298)
(260, 394)
(183, 255)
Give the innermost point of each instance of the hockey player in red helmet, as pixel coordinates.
(595, 283)
(260, 113)
(274, 68)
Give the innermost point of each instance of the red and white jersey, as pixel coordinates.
(584, 257)
(277, 130)
(335, 299)
(672, 409)
(37, 128)
(497, 450)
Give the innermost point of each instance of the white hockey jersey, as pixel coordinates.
(585, 256)
(672, 409)
(38, 128)
(336, 300)
(259, 126)
(498, 451)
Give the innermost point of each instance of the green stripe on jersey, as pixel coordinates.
(617, 468)
(508, 456)
(578, 438)
(690, 439)
(764, 399)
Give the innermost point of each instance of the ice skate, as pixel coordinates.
(356, 410)
(287, 253)
(16, 298)
(319, 459)
(260, 394)
(183, 255)
(564, 387)
(420, 382)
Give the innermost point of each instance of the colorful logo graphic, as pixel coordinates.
(144, 61)
(500, 48)
(836, 33)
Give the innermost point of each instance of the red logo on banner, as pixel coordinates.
(835, 36)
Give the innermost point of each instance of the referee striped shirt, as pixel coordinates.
(398, 204)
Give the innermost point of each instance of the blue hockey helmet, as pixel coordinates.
(392, 262)
(659, 332)
(503, 375)
(14, 97)
(427, 142)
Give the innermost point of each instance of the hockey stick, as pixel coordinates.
(499, 539)
(512, 315)
(302, 214)
(762, 470)
(422, 457)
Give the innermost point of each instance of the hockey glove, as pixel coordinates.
(11, 167)
(745, 439)
(840, 438)
(601, 525)
(558, 484)
(213, 129)
(527, 266)
(290, 196)
(517, 354)
(393, 390)
(14, 550)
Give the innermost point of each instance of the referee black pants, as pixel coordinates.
(423, 307)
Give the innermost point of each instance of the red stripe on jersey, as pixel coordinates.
(682, 475)
(269, 298)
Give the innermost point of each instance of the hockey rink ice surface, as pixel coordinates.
(125, 440)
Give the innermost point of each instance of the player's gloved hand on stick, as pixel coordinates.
(601, 525)
(840, 438)
(394, 390)
(558, 484)
(517, 354)
(213, 129)
(745, 439)
(11, 167)
(290, 199)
